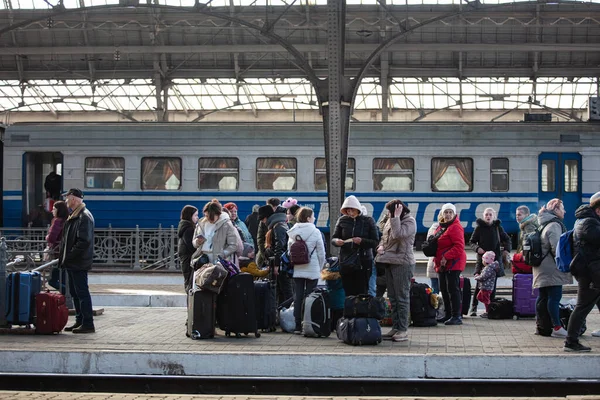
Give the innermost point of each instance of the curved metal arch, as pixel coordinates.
(302, 63)
(250, 103)
(554, 110)
(129, 117)
(377, 52)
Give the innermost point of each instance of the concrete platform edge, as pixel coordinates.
(416, 366)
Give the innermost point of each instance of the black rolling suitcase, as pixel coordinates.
(465, 288)
(266, 308)
(202, 309)
(236, 309)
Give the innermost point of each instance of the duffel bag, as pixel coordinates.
(211, 277)
(364, 306)
(500, 309)
(359, 331)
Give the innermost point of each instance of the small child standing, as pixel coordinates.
(487, 279)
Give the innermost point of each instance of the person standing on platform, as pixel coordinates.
(237, 222)
(547, 277)
(252, 222)
(185, 248)
(357, 237)
(586, 238)
(450, 260)
(527, 224)
(373, 278)
(395, 252)
(60, 211)
(431, 274)
(486, 281)
(76, 256)
(264, 213)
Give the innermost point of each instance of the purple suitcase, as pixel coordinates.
(523, 296)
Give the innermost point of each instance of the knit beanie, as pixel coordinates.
(449, 206)
(230, 206)
(265, 212)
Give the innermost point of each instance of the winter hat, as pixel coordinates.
(350, 202)
(230, 206)
(449, 206)
(289, 202)
(488, 257)
(265, 212)
(595, 200)
(363, 210)
(553, 204)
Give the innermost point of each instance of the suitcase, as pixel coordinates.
(465, 287)
(266, 306)
(202, 309)
(523, 296)
(236, 309)
(21, 289)
(52, 313)
(316, 317)
(359, 331)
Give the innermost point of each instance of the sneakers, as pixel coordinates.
(576, 347)
(596, 333)
(389, 335)
(74, 326)
(484, 315)
(400, 337)
(454, 321)
(473, 311)
(297, 332)
(442, 320)
(559, 333)
(84, 329)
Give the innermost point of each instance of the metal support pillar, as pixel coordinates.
(3, 262)
(336, 108)
(385, 87)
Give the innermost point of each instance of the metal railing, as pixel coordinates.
(137, 249)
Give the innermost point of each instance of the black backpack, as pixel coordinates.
(500, 308)
(532, 246)
(422, 312)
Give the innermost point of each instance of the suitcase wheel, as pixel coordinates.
(195, 335)
(257, 334)
(238, 335)
(227, 333)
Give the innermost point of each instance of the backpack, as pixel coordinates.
(532, 246)
(564, 252)
(298, 251)
(422, 312)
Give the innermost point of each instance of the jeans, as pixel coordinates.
(285, 286)
(373, 281)
(450, 288)
(587, 298)
(78, 285)
(304, 287)
(398, 284)
(548, 301)
(435, 285)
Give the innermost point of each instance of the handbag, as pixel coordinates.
(351, 263)
(430, 245)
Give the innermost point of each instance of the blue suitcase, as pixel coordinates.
(21, 289)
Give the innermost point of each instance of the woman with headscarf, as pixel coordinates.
(450, 260)
(547, 278)
(356, 235)
(395, 251)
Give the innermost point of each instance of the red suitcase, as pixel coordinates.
(52, 313)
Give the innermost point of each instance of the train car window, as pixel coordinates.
(276, 173)
(393, 174)
(160, 173)
(321, 174)
(451, 174)
(104, 172)
(218, 173)
(499, 174)
(571, 178)
(548, 174)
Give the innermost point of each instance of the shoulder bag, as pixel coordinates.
(430, 245)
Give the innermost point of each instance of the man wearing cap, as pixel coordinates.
(76, 255)
(587, 234)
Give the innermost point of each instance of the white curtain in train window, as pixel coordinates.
(393, 174)
(321, 174)
(452, 174)
(276, 174)
(161, 173)
(218, 173)
(104, 172)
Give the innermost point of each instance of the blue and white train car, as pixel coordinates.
(144, 173)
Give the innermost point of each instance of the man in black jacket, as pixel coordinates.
(587, 235)
(76, 256)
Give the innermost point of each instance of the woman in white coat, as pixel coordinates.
(306, 276)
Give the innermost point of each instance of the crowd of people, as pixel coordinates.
(374, 257)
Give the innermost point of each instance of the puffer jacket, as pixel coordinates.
(277, 222)
(547, 274)
(225, 241)
(431, 260)
(314, 241)
(451, 246)
(185, 249)
(364, 227)
(587, 232)
(485, 236)
(77, 243)
(397, 240)
(528, 225)
(487, 279)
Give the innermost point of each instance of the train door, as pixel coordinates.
(42, 185)
(560, 177)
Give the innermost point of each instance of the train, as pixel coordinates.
(142, 174)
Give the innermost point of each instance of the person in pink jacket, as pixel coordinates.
(450, 260)
(60, 211)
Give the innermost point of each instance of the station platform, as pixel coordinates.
(152, 341)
